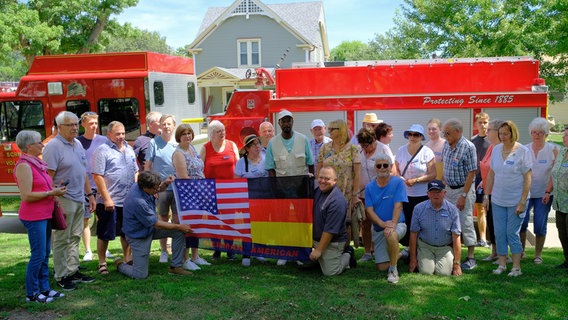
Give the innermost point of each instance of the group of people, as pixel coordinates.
(422, 196)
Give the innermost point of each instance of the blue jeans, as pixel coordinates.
(507, 227)
(540, 216)
(37, 272)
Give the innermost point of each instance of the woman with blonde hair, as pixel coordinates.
(345, 159)
(509, 180)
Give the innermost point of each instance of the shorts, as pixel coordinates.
(381, 253)
(166, 202)
(88, 214)
(109, 224)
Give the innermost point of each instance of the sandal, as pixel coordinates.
(538, 260)
(515, 272)
(500, 269)
(102, 269)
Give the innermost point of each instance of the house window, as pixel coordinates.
(249, 53)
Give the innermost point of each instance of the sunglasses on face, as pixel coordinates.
(382, 165)
(414, 134)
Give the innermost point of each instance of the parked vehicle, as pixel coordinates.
(118, 86)
(400, 92)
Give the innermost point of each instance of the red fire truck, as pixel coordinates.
(400, 92)
(118, 86)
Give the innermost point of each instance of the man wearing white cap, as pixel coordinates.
(288, 154)
(318, 130)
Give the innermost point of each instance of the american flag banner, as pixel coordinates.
(269, 217)
(214, 209)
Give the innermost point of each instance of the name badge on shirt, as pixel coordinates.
(541, 161)
(444, 215)
(565, 165)
(226, 157)
(387, 197)
(455, 163)
(509, 162)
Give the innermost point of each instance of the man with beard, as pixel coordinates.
(288, 154)
(383, 203)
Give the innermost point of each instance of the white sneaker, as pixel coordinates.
(392, 276)
(246, 262)
(164, 257)
(189, 265)
(261, 259)
(109, 255)
(200, 261)
(281, 262)
(88, 256)
(366, 257)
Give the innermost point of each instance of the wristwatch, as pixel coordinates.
(456, 263)
(464, 194)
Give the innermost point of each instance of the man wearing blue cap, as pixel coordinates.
(435, 246)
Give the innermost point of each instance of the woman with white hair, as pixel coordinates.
(35, 212)
(543, 155)
(220, 157)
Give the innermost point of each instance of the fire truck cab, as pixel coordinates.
(117, 86)
(401, 93)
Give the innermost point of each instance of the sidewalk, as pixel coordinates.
(551, 241)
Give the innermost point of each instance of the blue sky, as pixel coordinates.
(179, 20)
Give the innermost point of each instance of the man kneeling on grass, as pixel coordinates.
(330, 232)
(435, 246)
(141, 226)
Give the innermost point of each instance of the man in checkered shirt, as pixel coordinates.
(460, 164)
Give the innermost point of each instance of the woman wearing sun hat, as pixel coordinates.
(416, 165)
(250, 165)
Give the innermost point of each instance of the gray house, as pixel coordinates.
(250, 34)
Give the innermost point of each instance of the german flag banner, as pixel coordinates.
(268, 217)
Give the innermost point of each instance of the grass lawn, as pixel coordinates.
(226, 290)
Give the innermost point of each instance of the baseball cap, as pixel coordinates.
(317, 123)
(284, 113)
(436, 184)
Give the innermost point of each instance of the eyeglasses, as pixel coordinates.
(414, 134)
(70, 124)
(39, 142)
(537, 133)
(382, 165)
(333, 128)
(365, 146)
(445, 133)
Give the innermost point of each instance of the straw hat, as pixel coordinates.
(371, 118)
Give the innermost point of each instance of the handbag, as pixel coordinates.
(58, 221)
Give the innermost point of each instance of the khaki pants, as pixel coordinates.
(66, 242)
(333, 261)
(435, 260)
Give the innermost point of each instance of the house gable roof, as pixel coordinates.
(303, 19)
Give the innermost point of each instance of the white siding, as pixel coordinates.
(176, 97)
(521, 117)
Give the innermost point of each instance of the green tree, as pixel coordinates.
(481, 28)
(351, 51)
(128, 38)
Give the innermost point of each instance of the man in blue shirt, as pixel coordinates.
(330, 232)
(383, 203)
(435, 246)
(141, 226)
